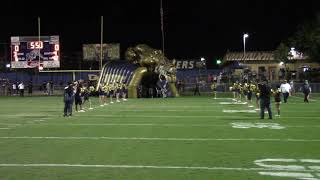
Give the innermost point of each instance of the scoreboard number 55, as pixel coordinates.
(35, 45)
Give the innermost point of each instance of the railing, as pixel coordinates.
(185, 89)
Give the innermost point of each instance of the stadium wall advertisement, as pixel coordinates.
(188, 64)
(91, 52)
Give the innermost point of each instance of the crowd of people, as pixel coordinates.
(263, 93)
(79, 93)
(9, 88)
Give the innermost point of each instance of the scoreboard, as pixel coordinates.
(29, 52)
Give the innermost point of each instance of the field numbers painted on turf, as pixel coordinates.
(305, 169)
(244, 125)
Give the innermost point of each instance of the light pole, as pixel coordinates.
(244, 43)
(203, 65)
(101, 44)
(244, 49)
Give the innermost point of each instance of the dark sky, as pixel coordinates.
(193, 29)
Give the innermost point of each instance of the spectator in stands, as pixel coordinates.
(21, 89)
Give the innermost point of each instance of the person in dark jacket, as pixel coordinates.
(306, 89)
(265, 93)
(68, 100)
(196, 89)
(30, 87)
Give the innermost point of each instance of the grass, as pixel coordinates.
(174, 138)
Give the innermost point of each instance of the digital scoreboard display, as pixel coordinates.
(29, 52)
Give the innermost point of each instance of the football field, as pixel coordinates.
(183, 138)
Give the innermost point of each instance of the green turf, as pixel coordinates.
(157, 139)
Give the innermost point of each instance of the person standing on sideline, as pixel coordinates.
(306, 89)
(21, 89)
(265, 93)
(78, 97)
(285, 90)
(292, 91)
(68, 100)
(30, 86)
(48, 88)
(51, 88)
(196, 89)
(14, 88)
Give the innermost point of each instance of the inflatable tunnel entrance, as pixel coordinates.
(128, 73)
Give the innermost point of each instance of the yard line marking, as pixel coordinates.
(174, 116)
(4, 128)
(232, 103)
(6, 124)
(154, 139)
(147, 124)
(239, 111)
(154, 167)
(224, 98)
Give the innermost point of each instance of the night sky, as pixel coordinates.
(193, 29)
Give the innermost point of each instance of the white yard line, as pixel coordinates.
(155, 138)
(4, 128)
(238, 111)
(145, 124)
(170, 116)
(156, 167)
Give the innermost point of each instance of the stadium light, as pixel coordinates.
(202, 59)
(244, 42)
(8, 65)
(218, 61)
(281, 63)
